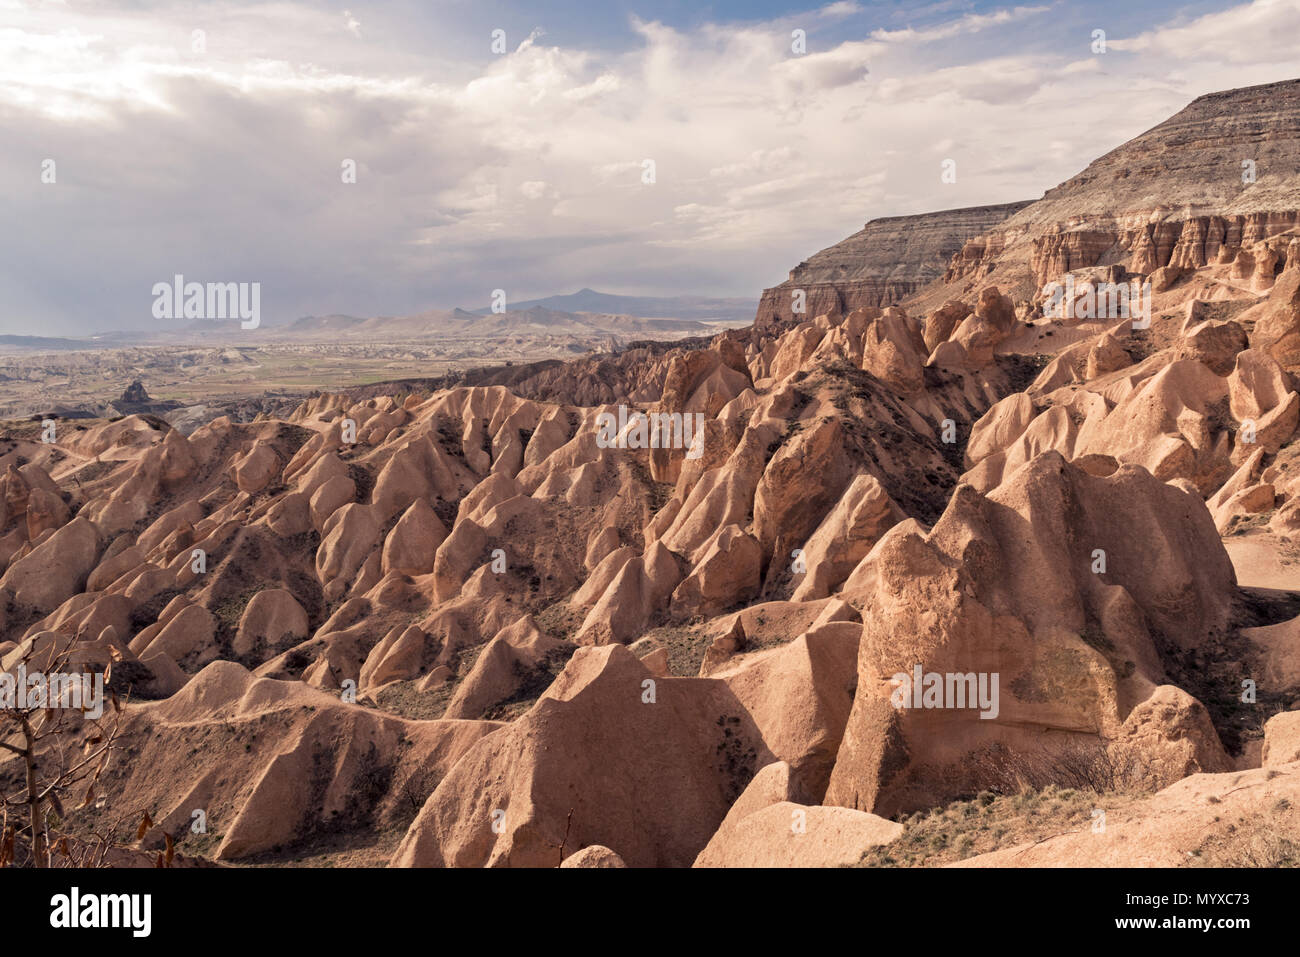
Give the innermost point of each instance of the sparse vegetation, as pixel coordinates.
(990, 822)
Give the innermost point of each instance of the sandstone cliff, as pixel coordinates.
(1194, 190)
(881, 264)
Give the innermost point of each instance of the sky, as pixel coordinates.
(143, 139)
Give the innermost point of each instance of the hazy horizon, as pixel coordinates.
(223, 155)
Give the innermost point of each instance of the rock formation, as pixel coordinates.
(746, 600)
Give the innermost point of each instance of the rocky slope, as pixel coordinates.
(881, 264)
(1211, 181)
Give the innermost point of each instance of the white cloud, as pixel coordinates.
(759, 161)
(530, 163)
(1264, 31)
(970, 23)
(843, 8)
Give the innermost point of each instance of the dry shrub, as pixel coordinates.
(1081, 765)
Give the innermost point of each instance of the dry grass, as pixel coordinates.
(404, 700)
(991, 822)
(685, 644)
(1265, 839)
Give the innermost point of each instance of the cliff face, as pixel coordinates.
(1222, 173)
(885, 262)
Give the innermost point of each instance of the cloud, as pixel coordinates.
(1264, 31)
(843, 8)
(524, 170)
(970, 23)
(759, 161)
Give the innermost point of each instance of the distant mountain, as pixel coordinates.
(699, 308)
(589, 314)
(331, 323)
(532, 321)
(47, 343)
(539, 319)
